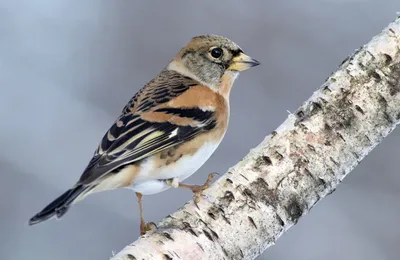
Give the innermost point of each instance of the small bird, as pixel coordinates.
(167, 131)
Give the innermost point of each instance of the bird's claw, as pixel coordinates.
(146, 227)
(198, 189)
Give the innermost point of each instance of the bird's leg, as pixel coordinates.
(196, 189)
(142, 222)
(144, 227)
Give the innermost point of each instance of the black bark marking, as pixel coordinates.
(167, 257)
(187, 213)
(202, 249)
(224, 217)
(322, 181)
(367, 51)
(229, 181)
(168, 236)
(214, 234)
(261, 161)
(394, 80)
(252, 222)
(130, 257)
(186, 225)
(340, 114)
(211, 215)
(318, 180)
(260, 191)
(303, 128)
(345, 60)
(315, 106)
(294, 210)
(307, 111)
(278, 155)
(244, 177)
(375, 75)
(229, 196)
(382, 101)
(300, 115)
(311, 148)
(280, 220)
(191, 231)
(327, 128)
(213, 212)
(208, 235)
(224, 251)
(326, 90)
(225, 201)
(367, 138)
(384, 106)
(359, 109)
(188, 228)
(331, 191)
(247, 192)
(300, 162)
(341, 136)
(388, 59)
(334, 162)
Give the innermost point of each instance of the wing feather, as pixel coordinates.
(168, 85)
(132, 138)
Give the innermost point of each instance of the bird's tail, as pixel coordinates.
(60, 205)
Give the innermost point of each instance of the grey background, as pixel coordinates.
(68, 67)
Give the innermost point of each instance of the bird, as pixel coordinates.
(167, 130)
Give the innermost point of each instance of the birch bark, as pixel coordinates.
(279, 181)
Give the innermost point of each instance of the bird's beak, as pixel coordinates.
(242, 62)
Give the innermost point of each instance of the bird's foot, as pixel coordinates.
(146, 227)
(198, 189)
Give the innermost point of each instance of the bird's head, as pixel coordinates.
(207, 58)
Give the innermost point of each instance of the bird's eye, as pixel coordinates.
(216, 53)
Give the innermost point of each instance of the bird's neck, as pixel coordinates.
(178, 67)
(226, 83)
(223, 88)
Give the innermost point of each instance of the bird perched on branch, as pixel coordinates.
(167, 131)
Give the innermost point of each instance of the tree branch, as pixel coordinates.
(260, 198)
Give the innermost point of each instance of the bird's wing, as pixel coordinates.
(146, 127)
(168, 85)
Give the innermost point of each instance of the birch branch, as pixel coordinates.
(279, 181)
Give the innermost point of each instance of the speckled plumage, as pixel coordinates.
(168, 129)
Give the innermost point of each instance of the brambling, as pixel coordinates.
(167, 131)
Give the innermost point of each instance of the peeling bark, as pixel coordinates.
(300, 163)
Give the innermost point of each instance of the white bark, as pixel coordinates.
(297, 165)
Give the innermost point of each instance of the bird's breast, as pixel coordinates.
(179, 162)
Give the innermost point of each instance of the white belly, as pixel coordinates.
(148, 180)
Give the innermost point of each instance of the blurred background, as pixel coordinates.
(67, 68)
